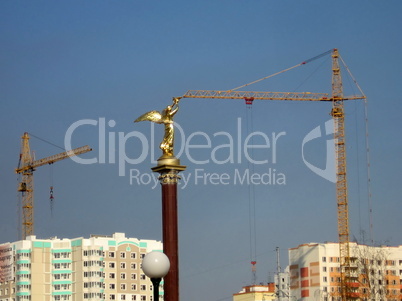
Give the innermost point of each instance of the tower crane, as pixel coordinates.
(26, 167)
(337, 112)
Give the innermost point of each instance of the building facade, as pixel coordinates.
(256, 293)
(80, 269)
(315, 272)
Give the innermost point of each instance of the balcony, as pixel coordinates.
(353, 284)
(353, 295)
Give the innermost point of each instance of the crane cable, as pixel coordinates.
(369, 194)
(251, 197)
(285, 70)
(51, 196)
(369, 199)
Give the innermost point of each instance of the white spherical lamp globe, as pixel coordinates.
(155, 264)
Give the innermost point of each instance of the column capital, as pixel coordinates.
(169, 174)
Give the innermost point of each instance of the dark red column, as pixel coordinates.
(169, 178)
(170, 240)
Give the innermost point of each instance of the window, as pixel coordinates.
(122, 275)
(324, 279)
(123, 286)
(134, 266)
(122, 265)
(133, 276)
(111, 265)
(143, 277)
(142, 256)
(111, 275)
(133, 255)
(143, 298)
(123, 297)
(133, 298)
(112, 297)
(122, 255)
(133, 287)
(143, 287)
(112, 286)
(324, 269)
(324, 259)
(111, 255)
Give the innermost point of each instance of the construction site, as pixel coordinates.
(266, 195)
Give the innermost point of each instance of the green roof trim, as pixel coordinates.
(42, 244)
(143, 245)
(76, 243)
(129, 242)
(23, 272)
(23, 283)
(23, 261)
(111, 243)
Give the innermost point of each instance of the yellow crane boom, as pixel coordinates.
(337, 98)
(26, 168)
(231, 94)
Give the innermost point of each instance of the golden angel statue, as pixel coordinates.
(165, 117)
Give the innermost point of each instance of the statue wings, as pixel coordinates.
(153, 116)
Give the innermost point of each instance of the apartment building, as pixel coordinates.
(79, 269)
(256, 293)
(315, 272)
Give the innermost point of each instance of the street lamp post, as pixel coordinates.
(156, 265)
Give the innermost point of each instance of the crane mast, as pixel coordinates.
(26, 167)
(26, 187)
(337, 98)
(338, 116)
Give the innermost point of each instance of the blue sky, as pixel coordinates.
(66, 61)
